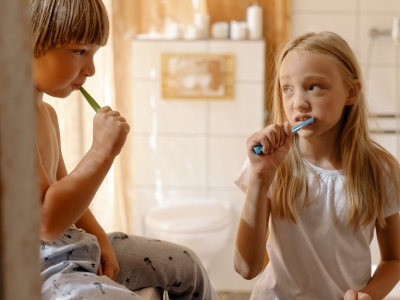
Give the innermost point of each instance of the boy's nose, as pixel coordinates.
(89, 69)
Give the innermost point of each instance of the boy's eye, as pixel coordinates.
(80, 52)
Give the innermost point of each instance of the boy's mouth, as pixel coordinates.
(76, 86)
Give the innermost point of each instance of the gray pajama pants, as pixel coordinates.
(70, 263)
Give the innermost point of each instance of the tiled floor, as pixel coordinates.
(233, 296)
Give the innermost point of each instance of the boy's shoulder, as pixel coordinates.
(52, 112)
(53, 115)
(49, 108)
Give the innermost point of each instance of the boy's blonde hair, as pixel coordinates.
(57, 22)
(364, 162)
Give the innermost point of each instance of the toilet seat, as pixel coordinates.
(191, 217)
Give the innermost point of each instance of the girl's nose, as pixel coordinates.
(89, 69)
(301, 103)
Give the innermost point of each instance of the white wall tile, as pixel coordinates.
(324, 5)
(381, 90)
(165, 161)
(153, 114)
(242, 115)
(382, 123)
(380, 6)
(249, 57)
(390, 142)
(376, 51)
(342, 24)
(226, 159)
(145, 60)
(147, 55)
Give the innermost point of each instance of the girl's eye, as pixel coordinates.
(287, 90)
(315, 88)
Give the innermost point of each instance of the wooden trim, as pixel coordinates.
(19, 196)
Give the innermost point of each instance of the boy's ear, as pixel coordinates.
(354, 92)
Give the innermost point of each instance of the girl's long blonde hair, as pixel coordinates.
(364, 162)
(57, 22)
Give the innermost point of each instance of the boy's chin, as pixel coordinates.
(62, 94)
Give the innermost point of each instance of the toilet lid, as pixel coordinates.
(189, 217)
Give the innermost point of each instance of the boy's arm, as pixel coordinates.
(108, 264)
(65, 202)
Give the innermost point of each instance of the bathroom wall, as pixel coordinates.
(193, 148)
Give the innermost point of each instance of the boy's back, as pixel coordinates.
(48, 146)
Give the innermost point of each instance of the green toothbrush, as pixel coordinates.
(90, 99)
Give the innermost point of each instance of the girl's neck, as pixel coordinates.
(323, 153)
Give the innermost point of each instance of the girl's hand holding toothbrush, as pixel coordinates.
(276, 140)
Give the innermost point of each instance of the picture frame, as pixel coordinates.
(197, 76)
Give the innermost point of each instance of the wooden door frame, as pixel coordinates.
(19, 201)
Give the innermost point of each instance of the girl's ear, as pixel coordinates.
(354, 92)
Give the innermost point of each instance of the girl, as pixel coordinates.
(65, 36)
(321, 192)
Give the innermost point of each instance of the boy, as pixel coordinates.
(75, 249)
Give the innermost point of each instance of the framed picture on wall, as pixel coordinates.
(197, 76)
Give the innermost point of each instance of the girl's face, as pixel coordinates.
(311, 86)
(63, 70)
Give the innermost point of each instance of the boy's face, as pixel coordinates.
(311, 86)
(63, 70)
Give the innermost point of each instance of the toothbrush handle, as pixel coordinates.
(258, 149)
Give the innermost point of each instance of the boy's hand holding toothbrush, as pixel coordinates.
(109, 131)
(109, 128)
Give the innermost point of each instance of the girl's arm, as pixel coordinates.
(250, 245)
(250, 248)
(65, 201)
(387, 275)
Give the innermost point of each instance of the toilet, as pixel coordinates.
(203, 226)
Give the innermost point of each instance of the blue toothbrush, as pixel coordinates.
(258, 149)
